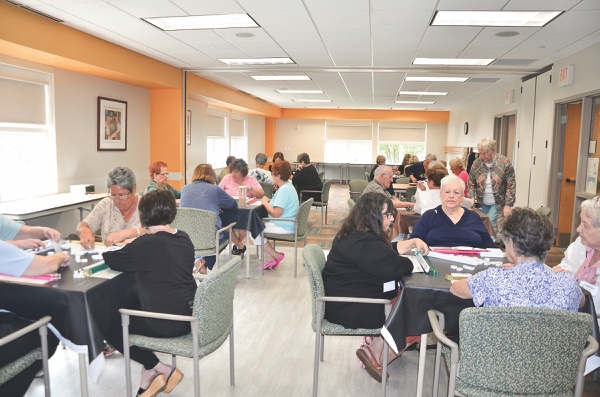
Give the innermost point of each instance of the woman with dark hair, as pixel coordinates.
(159, 176)
(527, 236)
(203, 194)
(239, 177)
(162, 261)
(307, 178)
(227, 170)
(115, 216)
(284, 204)
(361, 261)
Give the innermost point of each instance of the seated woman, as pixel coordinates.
(284, 204)
(203, 194)
(231, 184)
(527, 236)
(362, 259)
(159, 175)
(116, 216)
(379, 161)
(227, 170)
(162, 261)
(277, 158)
(449, 224)
(307, 178)
(582, 257)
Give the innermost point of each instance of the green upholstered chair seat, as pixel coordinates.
(9, 371)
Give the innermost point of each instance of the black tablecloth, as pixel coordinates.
(81, 309)
(246, 218)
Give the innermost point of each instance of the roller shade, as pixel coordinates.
(401, 134)
(22, 102)
(236, 128)
(350, 133)
(215, 125)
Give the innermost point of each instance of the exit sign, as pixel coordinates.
(565, 76)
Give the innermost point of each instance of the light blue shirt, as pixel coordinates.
(9, 228)
(286, 197)
(528, 284)
(14, 261)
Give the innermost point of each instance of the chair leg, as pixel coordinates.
(438, 357)
(321, 347)
(318, 351)
(125, 321)
(44, 340)
(322, 224)
(231, 359)
(296, 257)
(196, 364)
(384, 368)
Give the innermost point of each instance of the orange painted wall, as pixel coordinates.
(348, 114)
(166, 130)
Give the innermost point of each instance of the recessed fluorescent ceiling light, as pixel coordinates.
(299, 91)
(312, 100)
(257, 61)
(422, 93)
(415, 102)
(281, 78)
(493, 18)
(203, 22)
(453, 61)
(450, 79)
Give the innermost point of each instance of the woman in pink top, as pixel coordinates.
(458, 168)
(231, 183)
(239, 177)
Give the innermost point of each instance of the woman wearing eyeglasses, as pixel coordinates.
(116, 216)
(159, 178)
(364, 263)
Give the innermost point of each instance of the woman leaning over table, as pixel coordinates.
(582, 257)
(284, 204)
(450, 224)
(116, 216)
(162, 261)
(527, 236)
(203, 194)
(159, 177)
(231, 184)
(361, 262)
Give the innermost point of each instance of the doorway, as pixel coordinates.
(570, 126)
(505, 131)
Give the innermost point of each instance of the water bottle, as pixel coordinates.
(242, 195)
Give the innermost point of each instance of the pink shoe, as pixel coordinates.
(278, 260)
(269, 265)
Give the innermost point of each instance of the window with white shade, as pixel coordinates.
(226, 136)
(395, 139)
(348, 141)
(27, 133)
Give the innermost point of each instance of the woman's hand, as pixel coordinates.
(558, 269)
(86, 238)
(265, 200)
(421, 246)
(404, 246)
(119, 236)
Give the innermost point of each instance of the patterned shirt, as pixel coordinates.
(155, 186)
(502, 175)
(107, 217)
(374, 186)
(261, 175)
(529, 284)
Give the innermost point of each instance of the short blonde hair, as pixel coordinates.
(457, 163)
(487, 144)
(204, 172)
(380, 159)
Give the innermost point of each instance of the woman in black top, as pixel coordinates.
(162, 260)
(307, 178)
(361, 261)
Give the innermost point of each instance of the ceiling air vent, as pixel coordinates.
(513, 62)
(483, 79)
(34, 11)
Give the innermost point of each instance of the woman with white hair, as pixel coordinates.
(582, 258)
(450, 224)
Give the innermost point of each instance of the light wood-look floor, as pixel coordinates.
(274, 347)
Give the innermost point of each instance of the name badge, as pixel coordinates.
(389, 286)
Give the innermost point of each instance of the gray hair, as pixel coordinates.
(531, 233)
(435, 163)
(261, 159)
(591, 207)
(382, 169)
(431, 157)
(452, 179)
(123, 177)
(487, 144)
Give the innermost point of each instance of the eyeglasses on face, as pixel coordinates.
(121, 196)
(166, 174)
(387, 214)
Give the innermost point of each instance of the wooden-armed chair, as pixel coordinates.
(314, 260)
(201, 226)
(324, 193)
(11, 370)
(300, 232)
(515, 351)
(356, 188)
(211, 324)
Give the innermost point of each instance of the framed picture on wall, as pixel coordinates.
(112, 124)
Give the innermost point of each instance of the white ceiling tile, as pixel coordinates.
(336, 5)
(301, 44)
(360, 44)
(587, 5)
(341, 18)
(230, 34)
(577, 19)
(396, 44)
(540, 5)
(471, 5)
(404, 5)
(397, 32)
(349, 53)
(344, 32)
(269, 6)
(365, 61)
(207, 7)
(292, 33)
(401, 18)
(313, 62)
(320, 53)
(452, 32)
(282, 19)
(392, 62)
(146, 9)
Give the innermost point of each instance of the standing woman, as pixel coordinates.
(159, 177)
(162, 261)
(284, 204)
(362, 259)
(492, 181)
(117, 215)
